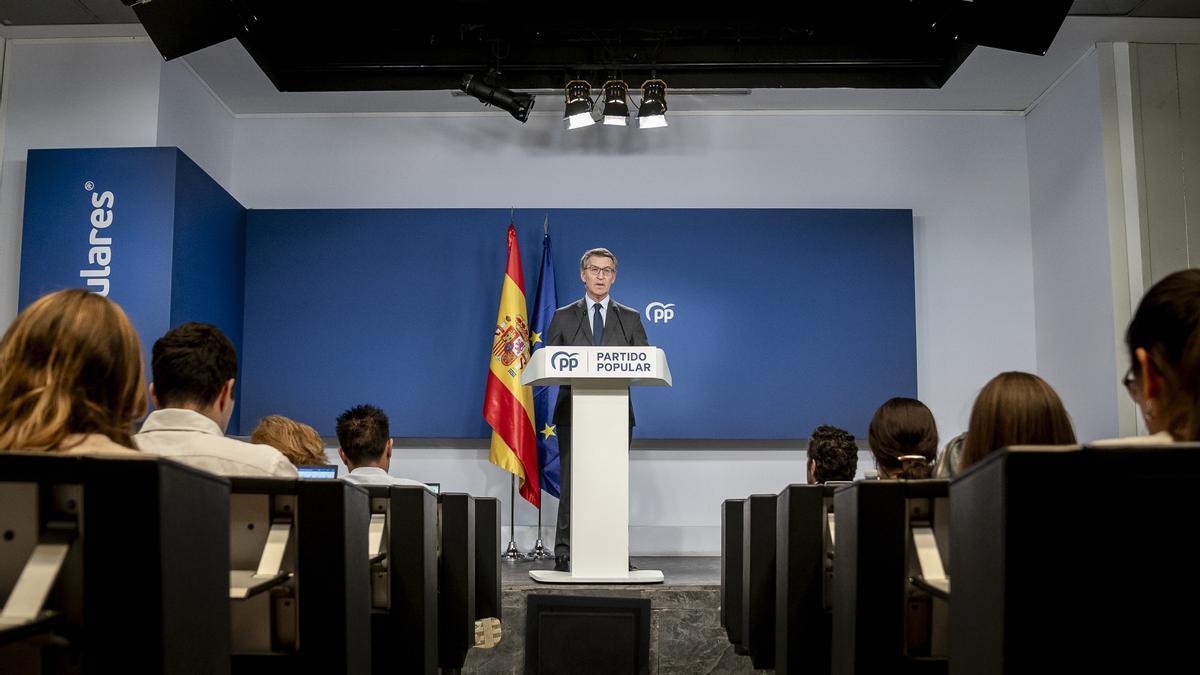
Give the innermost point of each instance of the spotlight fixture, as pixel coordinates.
(653, 111)
(616, 108)
(579, 105)
(515, 103)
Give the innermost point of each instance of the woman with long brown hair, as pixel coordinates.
(1015, 408)
(71, 377)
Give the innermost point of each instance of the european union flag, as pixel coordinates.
(545, 397)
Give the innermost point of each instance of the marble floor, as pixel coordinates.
(685, 631)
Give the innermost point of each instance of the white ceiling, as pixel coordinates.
(989, 80)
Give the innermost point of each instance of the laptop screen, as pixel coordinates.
(318, 471)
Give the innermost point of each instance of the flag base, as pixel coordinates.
(512, 553)
(631, 577)
(540, 552)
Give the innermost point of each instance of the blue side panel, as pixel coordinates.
(209, 271)
(782, 319)
(132, 187)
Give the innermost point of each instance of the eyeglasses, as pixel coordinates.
(1130, 382)
(600, 271)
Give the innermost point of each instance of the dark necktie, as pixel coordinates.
(597, 326)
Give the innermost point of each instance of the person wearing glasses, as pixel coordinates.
(597, 320)
(1164, 349)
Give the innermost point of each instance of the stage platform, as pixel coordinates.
(685, 626)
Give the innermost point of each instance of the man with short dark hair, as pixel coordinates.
(194, 367)
(832, 455)
(365, 445)
(596, 320)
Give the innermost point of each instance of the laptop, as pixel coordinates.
(318, 471)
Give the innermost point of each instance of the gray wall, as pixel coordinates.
(1075, 349)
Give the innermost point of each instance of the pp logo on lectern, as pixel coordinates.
(660, 312)
(564, 360)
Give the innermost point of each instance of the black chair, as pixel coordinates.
(804, 539)
(732, 526)
(890, 592)
(758, 580)
(456, 580)
(131, 566)
(299, 583)
(404, 569)
(487, 558)
(1076, 561)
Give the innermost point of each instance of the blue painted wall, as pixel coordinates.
(784, 319)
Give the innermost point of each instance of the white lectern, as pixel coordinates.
(600, 378)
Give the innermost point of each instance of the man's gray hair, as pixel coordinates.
(602, 252)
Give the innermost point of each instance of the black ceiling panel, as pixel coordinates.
(304, 46)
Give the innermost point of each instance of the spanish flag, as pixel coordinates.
(507, 405)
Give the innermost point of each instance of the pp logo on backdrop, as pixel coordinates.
(658, 312)
(564, 360)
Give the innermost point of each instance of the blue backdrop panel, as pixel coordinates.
(177, 244)
(783, 319)
(209, 271)
(60, 186)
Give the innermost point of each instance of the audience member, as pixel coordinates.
(832, 455)
(1015, 408)
(300, 443)
(949, 463)
(903, 437)
(1164, 349)
(365, 445)
(71, 377)
(193, 367)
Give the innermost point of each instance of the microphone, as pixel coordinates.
(620, 323)
(579, 325)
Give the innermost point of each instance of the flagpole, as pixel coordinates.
(540, 552)
(512, 553)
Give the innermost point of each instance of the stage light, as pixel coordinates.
(579, 105)
(515, 103)
(653, 111)
(616, 108)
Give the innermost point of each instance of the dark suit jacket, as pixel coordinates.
(572, 327)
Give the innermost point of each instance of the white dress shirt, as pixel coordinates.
(188, 437)
(591, 308)
(373, 475)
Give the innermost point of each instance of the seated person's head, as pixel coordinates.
(71, 363)
(832, 455)
(1164, 349)
(363, 437)
(194, 366)
(904, 439)
(1015, 409)
(300, 443)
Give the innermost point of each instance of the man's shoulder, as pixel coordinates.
(569, 307)
(626, 309)
(219, 454)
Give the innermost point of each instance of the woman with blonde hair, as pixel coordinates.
(71, 377)
(300, 443)
(1015, 408)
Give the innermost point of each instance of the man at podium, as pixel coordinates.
(597, 320)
